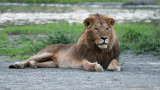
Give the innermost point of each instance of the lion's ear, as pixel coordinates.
(88, 22)
(111, 21)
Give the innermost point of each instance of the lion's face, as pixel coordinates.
(101, 27)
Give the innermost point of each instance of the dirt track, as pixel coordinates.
(140, 72)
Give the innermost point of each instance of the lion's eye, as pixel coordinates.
(96, 29)
(107, 29)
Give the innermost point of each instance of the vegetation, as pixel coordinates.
(141, 38)
(66, 1)
(34, 8)
(24, 46)
(136, 37)
(63, 1)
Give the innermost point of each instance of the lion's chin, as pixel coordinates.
(102, 46)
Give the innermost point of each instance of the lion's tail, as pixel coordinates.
(11, 67)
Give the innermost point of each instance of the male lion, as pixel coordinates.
(97, 48)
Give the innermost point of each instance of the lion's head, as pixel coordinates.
(99, 29)
(99, 41)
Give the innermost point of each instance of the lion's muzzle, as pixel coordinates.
(103, 43)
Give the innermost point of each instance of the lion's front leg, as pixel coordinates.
(92, 66)
(113, 66)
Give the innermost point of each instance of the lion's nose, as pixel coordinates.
(104, 38)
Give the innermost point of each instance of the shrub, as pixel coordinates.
(139, 43)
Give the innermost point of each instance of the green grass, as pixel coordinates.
(23, 46)
(158, 2)
(138, 38)
(42, 29)
(63, 1)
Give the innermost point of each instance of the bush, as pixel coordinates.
(60, 36)
(139, 43)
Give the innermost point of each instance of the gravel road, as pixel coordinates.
(140, 72)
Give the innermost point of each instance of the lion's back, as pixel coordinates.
(55, 48)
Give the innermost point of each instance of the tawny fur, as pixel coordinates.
(97, 46)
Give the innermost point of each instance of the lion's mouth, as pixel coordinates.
(103, 43)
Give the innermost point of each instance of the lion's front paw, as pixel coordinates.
(114, 68)
(33, 64)
(98, 68)
(19, 65)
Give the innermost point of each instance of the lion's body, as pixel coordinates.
(63, 55)
(91, 52)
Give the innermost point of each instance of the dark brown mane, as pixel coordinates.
(86, 48)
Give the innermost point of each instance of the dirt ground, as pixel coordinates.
(140, 72)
